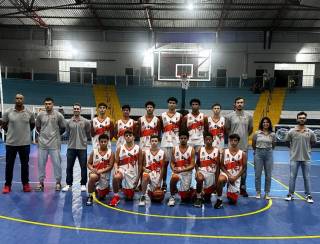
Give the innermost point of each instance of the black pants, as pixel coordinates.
(72, 154)
(11, 153)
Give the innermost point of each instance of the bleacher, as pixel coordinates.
(302, 99)
(64, 94)
(137, 96)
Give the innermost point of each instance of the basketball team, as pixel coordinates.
(193, 146)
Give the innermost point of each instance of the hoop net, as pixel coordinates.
(185, 81)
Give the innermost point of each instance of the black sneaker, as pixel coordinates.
(218, 204)
(89, 201)
(198, 203)
(164, 187)
(244, 193)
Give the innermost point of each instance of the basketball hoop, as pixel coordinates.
(185, 82)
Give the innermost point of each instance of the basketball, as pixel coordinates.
(157, 195)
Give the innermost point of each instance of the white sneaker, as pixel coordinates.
(258, 195)
(309, 199)
(171, 201)
(267, 196)
(67, 188)
(289, 197)
(142, 201)
(83, 188)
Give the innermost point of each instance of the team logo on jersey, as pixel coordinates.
(97, 156)
(149, 157)
(203, 154)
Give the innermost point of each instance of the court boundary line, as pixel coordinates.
(265, 208)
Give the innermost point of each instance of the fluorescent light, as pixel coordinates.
(190, 6)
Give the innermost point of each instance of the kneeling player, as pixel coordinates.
(182, 164)
(208, 159)
(100, 164)
(127, 168)
(233, 164)
(153, 160)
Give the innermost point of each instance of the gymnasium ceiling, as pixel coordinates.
(179, 15)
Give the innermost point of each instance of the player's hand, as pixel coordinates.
(95, 171)
(232, 180)
(176, 170)
(135, 184)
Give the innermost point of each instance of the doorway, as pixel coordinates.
(281, 77)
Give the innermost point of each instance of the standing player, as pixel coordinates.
(207, 170)
(196, 123)
(182, 164)
(300, 139)
(18, 122)
(153, 160)
(101, 124)
(78, 129)
(100, 164)
(50, 124)
(127, 168)
(240, 122)
(148, 125)
(123, 124)
(216, 126)
(233, 164)
(171, 121)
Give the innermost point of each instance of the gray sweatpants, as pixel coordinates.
(56, 163)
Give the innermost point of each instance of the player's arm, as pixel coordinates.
(312, 138)
(109, 167)
(158, 127)
(161, 124)
(250, 125)
(93, 132)
(61, 123)
(139, 168)
(116, 132)
(88, 128)
(223, 167)
(227, 125)
(183, 126)
(111, 129)
(192, 163)
(244, 163)
(206, 124)
(138, 128)
(161, 169)
(254, 141)
(197, 164)
(172, 166)
(38, 123)
(116, 160)
(90, 164)
(274, 140)
(5, 121)
(218, 168)
(32, 122)
(288, 138)
(144, 163)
